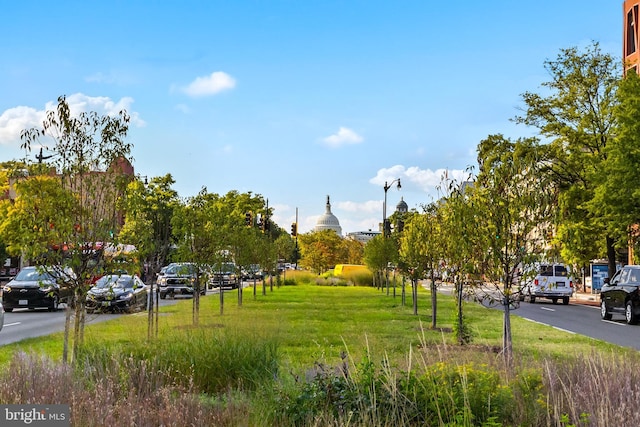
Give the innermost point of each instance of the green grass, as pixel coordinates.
(316, 323)
(323, 355)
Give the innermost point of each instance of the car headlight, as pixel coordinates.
(6, 289)
(128, 295)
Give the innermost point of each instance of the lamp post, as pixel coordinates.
(384, 206)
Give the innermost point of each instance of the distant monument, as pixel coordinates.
(328, 221)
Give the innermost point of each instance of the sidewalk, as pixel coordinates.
(586, 298)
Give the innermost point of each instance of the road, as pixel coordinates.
(24, 323)
(583, 320)
(577, 319)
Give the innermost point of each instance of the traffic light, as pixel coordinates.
(294, 229)
(248, 220)
(267, 224)
(261, 223)
(387, 227)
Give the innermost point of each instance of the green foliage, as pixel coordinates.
(212, 361)
(577, 115)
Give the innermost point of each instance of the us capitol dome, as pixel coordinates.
(328, 221)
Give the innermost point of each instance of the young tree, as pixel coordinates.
(421, 252)
(90, 156)
(512, 203)
(148, 213)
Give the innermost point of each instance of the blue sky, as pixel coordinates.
(294, 100)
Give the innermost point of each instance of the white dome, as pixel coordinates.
(328, 221)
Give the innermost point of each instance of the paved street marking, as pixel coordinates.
(547, 308)
(12, 324)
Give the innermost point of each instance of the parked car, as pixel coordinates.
(224, 276)
(551, 281)
(252, 272)
(621, 294)
(38, 287)
(118, 292)
(181, 279)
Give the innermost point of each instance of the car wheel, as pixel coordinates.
(629, 314)
(555, 300)
(532, 299)
(55, 301)
(604, 313)
(565, 300)
(163, 296)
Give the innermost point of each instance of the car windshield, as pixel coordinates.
(33, 275)
(181, 269)
(115, 282)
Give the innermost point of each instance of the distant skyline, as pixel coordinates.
(294, 100)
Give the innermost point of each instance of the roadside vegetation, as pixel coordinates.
(309, 355)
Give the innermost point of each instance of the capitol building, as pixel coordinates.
(328, 221)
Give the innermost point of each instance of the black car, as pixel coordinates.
(181, 279)
(117, 292)
(621, 294)
(38, 287)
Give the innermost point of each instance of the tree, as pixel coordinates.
(379, 252)
(512, 203)
(90, 156)
(578, 117)
(421, 252)
(320, 250)
(148, 213)
(617, 196)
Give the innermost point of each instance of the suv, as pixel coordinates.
(621, 294)
(551, 281)
(180, 279)
(38, 287)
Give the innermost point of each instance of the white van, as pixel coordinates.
(551, 281)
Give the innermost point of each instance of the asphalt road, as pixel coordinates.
(577, 319)
(24, 323)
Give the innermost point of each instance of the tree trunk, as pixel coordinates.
(611, 256)
(434, 301)
(461, 333)
(507, 342)
(414, 292)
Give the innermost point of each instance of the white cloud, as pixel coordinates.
(426, 180)
(212, 84)
(14, 120)
(343, 137)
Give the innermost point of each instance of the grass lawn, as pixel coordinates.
(313, 323)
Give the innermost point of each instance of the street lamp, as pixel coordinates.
(384, 206)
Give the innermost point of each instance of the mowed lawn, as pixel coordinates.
(312, 323)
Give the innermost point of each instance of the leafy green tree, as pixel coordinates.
(79, 209)
(617, 196)
(577, 115)
(320, 250)
(421, 253)
(148, 213)
(379, 252)
(512, 204)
